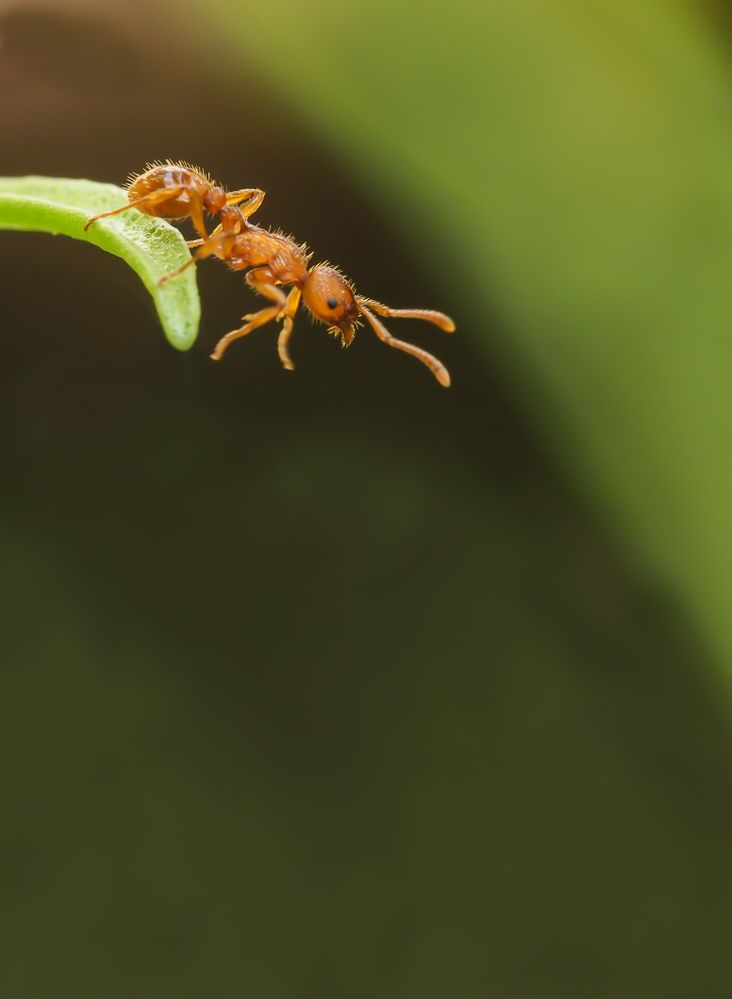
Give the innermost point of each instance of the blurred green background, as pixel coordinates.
(335, 683)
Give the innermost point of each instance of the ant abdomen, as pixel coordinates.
(177, 191)
(185, 187)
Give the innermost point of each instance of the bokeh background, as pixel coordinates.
(334, 683)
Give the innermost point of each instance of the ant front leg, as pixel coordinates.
(257, 320)
(254, 197)
(288, 314)
(261, 280)
(147, 201)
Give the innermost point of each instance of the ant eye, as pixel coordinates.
(332, 302)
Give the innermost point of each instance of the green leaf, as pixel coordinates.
(150, 246)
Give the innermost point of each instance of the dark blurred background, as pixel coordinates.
(318, 684)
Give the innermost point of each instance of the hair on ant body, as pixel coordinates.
(271, 260)
(172, 190)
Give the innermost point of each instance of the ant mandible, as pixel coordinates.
(172, 190)
(273, 259)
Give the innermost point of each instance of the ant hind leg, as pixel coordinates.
(152, 199)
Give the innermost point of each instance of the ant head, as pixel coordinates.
(329, 297)
(214, 199)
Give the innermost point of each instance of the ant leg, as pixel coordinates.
(436, 367)
(282, 341)
(288, 314)
(206, 248)
(254, 193)
(261, 280)
(178, 271)
(193, 243)
(197, 217)
(438, 318)
(152, 199)
(257, 320)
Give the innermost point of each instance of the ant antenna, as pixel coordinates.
(437, 368)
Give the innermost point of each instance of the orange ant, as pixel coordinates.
(273, 259)
(178, 190)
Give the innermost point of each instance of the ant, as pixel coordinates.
(178, 190)
(273, 259)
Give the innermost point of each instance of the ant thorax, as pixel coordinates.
(287, 262)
